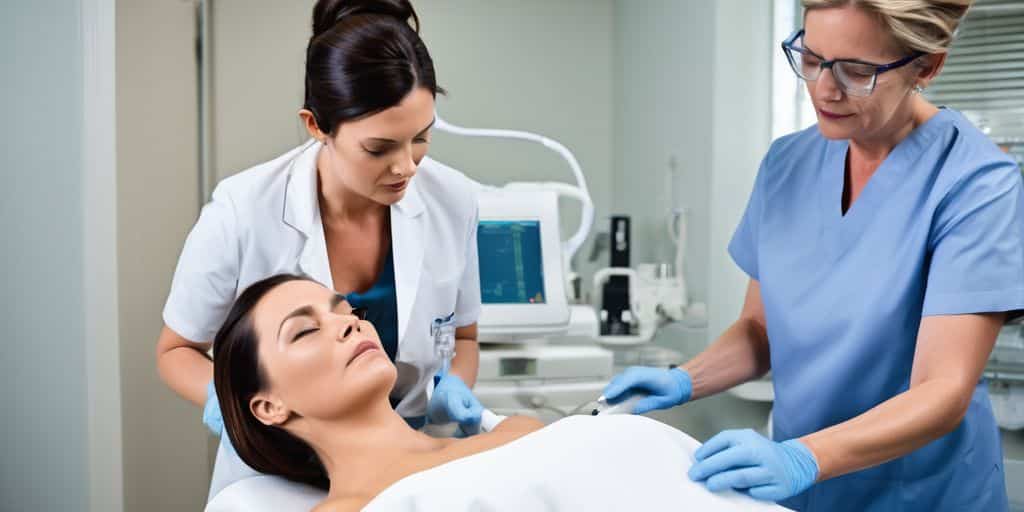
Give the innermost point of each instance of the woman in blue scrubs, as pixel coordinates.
(885, 247)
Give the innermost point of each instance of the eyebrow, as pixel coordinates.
(816, 54)
(392, 141)
(308, 310)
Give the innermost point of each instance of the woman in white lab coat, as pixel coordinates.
(359, 208)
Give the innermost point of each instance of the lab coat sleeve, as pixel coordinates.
(206, 278)
(743, 246)
(467, 305)
(977, 245)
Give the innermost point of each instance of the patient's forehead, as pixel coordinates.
(284, 298)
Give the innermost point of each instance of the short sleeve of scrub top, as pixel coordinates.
(743, 246)
(977, 260)
(206, 278)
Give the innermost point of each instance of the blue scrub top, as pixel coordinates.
(937, 230)
(381, 303)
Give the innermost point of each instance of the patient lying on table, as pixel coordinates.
(303, 385)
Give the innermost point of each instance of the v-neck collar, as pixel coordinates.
(840, 230)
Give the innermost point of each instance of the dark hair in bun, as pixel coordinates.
(364, 57)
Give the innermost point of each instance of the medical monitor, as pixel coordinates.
(513, 271)
(522, 286)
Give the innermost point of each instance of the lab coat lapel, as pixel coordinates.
(313, 260)
(407, 232)
(302, 212)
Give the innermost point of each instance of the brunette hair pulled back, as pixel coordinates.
(238, 376)
(365, 56)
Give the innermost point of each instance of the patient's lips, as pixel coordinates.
(362, 348)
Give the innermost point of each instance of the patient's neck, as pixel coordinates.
(356, 449)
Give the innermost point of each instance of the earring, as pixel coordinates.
(918, 89)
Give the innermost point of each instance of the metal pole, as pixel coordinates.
(204, 93)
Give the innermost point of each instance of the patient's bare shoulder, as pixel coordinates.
(505, 432)
(342, 504)
(519, 424)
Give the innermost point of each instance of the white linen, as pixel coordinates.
(591, 463)
(265, 494)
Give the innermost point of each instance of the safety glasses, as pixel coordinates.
(855, 77)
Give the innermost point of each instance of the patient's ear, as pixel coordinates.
(268, 409)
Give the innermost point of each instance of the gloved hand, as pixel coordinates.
(747, 461)
(453, 401)
(665, 388)
(211, 411)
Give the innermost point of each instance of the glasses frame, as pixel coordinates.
(360, 313)
(789, 46)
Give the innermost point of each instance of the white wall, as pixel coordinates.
(57, 403)
(258, 51)
(664, 64)
(741, 134)
(100, 262)
(533, 65)
(694, 84)
(42, 370)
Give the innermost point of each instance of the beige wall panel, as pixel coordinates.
(166, 456)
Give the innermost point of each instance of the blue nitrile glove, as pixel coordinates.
(211, 411)
(453, 401)
(665, 388)
(747, 461)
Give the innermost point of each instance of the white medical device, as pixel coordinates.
(525, 306)
(624, 407)
(489, 421)
(443, 333)
(580, 192)
(521, 287)
(525, 271)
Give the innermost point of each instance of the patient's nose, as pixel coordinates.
(348, 325)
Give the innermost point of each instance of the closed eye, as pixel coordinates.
(305, 332)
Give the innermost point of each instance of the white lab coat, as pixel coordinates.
(266, 220)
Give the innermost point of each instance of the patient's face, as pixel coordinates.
(319, 358)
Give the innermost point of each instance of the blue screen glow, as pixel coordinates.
(511, 266)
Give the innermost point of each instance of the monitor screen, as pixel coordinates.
(511, 264)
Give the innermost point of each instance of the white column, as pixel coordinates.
(99, 262)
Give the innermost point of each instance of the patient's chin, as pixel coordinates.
(362, 383)
(373, 364)
(370, 378)
(380, 372)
